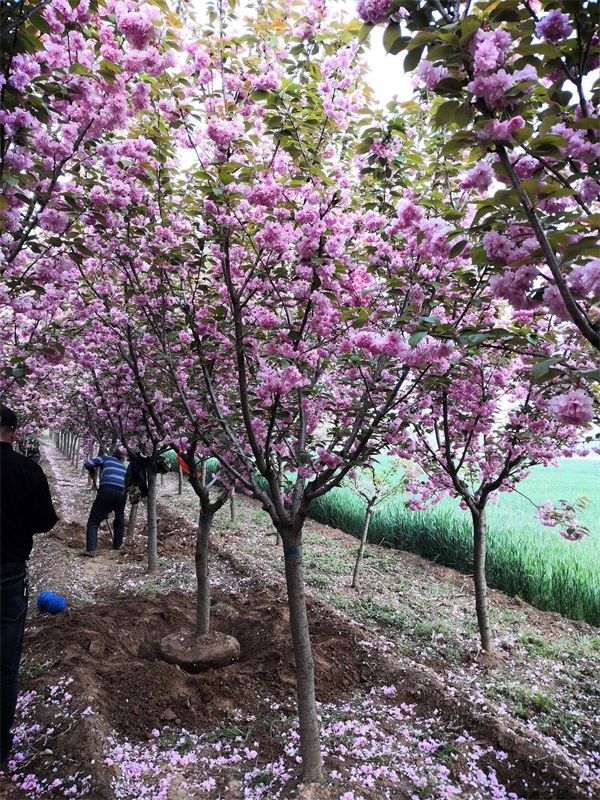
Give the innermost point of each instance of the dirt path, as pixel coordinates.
(410, 708)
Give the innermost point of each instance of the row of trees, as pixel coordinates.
(213, 241)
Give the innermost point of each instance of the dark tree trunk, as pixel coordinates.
(305, 668)
(152, 522)
(232, 506)
(481, 599)
(132, 520)
(206, 515)
(202, 573)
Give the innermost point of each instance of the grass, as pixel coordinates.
(524, 558)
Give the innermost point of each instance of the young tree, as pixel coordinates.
(291, 357)
(479, 430)
(374, 484)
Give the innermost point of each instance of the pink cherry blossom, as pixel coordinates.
(492, 88)
(498, 246)
(589, 190)
(479, 177)
(574, 408)
(556, 305)
(430, 74)
(53, 220)
(586, 279)
(502, 131)
(554, 27)
(137, 27)
(223, 131)
(374, 11)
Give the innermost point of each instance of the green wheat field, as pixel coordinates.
(524, 558)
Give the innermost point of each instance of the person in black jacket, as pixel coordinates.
(25, 509)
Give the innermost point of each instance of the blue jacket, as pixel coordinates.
(113, 470)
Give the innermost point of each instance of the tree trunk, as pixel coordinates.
(305, 669)
(232, 506)
(363, 539)
(203, 573)
(179, 479)
(481, 599)
(152, 523)
(131, 522)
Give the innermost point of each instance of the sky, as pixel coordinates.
(387, 76)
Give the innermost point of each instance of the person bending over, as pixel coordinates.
(111, 496)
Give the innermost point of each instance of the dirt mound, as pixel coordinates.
(114, 649)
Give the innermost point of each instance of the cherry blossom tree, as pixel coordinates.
(72, 75)
(516, 94)
(291, 358)
(480, 429)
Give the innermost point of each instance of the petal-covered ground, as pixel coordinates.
(410, 707)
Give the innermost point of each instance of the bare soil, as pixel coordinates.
(399, 656)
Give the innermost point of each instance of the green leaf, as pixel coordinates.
(40, 23)
(83, 248)
(477, 338)
(499, 333)
(468, 27)
(412, 58)
(390, 35)
(550, 375)
(457, 249)
(416, 338)
(365, 30)
(506, 12)
(592, 220)
(548, 139)
(80, 69)
(399, 45)
(541, 368)
(110, 66)
(588, 246)
(591, 374)
(449, 87)
(588, 123)
(458, 142)
(446, 113)
(560, 98)
(226, 177)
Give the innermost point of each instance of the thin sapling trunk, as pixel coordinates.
(479, 577)
(202, 572)
(363, 539)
